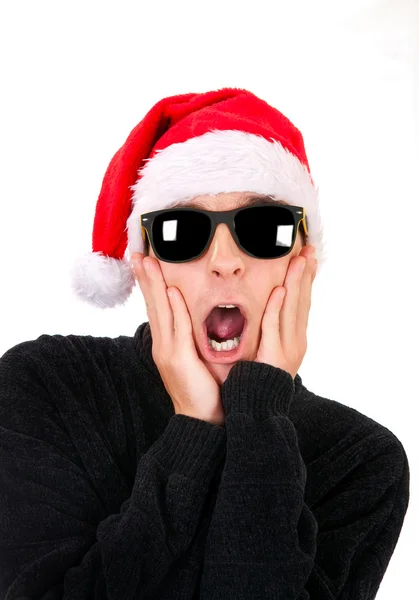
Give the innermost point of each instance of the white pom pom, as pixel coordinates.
(102, 281)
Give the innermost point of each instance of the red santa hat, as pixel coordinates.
(189, 145)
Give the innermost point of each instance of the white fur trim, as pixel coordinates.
(223, 161)
(101, 280)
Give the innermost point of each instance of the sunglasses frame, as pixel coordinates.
(227, 217)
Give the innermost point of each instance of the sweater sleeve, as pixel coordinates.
(52, 545)
(264, 541)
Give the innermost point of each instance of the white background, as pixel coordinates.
(78, 76)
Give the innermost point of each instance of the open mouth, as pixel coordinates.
(224, 334)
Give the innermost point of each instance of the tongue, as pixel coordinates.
(224, 324)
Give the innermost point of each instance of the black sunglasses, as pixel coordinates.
(180, 235)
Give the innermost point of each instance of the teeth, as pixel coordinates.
(226, 345)
(226, 306)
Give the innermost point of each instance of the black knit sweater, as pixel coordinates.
(106, 494)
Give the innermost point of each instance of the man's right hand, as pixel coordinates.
(192, 388)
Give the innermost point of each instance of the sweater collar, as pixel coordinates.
(143, 346)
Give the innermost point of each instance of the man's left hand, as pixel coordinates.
(284, 324)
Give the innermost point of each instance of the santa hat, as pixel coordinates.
(189, 145)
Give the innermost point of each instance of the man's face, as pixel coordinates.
(226, 271)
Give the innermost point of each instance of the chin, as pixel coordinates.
(219, 372)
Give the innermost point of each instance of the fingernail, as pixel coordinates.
(146, 264)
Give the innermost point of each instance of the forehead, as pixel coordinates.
(228, 201)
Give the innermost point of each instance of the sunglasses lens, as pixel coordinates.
(181, 235)
(264, 232)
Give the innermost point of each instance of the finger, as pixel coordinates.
(159, 310)
(142, 277)
(304, 299)
(137, 265)
(288, 315)
(182, 320)
(308, 251)
(139, 272)
(270, 321)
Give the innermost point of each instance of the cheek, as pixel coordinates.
(275, 273)
(179, 276)
(169, 274)
(263, 285)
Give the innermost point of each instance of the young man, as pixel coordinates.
(163, 465)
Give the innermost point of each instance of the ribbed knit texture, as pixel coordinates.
(106, 493)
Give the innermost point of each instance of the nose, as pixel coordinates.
(224, 255)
